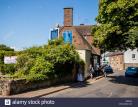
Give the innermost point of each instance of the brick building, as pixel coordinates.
(116, 60)
(81, 37)
(122, 60)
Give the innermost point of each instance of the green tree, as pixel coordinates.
(5, 48)
(117, 25)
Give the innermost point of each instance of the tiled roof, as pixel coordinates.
(115, 53)
(84, 29)
(108, 54)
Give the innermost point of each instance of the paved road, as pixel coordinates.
(115, 85)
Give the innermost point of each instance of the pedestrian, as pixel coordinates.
(91, 70)
(104, 72)
(97, 69)
(79, 75)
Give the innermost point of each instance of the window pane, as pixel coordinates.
(133, 55)
(54, 34)
(67, 36)
(70, 37)
(64, 37)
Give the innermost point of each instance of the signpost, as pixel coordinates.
(10, 59)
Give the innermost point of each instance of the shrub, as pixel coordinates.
(41, 66)
(35, 77)
(1, 68)
(19, 74)
(1, 57)
(8, 68)
(54, 60)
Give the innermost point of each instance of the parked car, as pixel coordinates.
(131, 71)
(108, 69)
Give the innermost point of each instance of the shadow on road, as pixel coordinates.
(124, 80)
(80, 84)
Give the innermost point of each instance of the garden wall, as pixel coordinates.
(11, 86)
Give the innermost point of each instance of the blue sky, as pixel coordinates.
(26, 23)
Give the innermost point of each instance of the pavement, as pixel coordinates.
(50, 90)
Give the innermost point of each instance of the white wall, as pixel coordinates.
(81, 54)
(128, 56)
(85, 55)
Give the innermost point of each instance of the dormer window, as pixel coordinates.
(67, 36)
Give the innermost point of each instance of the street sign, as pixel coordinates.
(10, 59)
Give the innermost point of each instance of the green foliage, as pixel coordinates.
(19, 74)
(35, 77)
(54, 60)
(1, 68)
(6, 51)
(1, 57)
(117, 20)
(5, 48)
(41, 66)
(7, 68)
(56, 42)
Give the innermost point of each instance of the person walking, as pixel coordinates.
(97, 69)
(91, 70)
(104, 72)
(79, 75)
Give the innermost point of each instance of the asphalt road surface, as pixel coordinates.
(116, 85)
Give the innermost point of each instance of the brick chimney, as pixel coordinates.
(68, 16)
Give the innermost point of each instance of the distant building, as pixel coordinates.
(81, 37)
(105, 58)
(122, 60)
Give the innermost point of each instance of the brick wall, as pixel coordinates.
(68, 16)
(77, 40)
(117, 62)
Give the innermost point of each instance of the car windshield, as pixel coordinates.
(132, 69)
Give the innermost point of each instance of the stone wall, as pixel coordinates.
(11, 86)
(117, 62)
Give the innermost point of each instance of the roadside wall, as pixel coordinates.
(9, 87)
